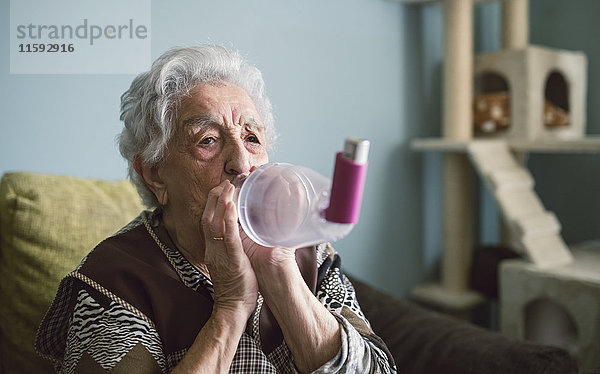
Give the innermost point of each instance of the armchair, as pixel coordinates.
(48, 223)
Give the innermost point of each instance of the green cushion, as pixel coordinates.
(47, 225)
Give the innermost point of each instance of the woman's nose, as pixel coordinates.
(237, 161)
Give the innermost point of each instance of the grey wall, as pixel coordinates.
(333, 69)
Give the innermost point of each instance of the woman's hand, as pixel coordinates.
(234, 282)
(233, 278)
(264, 259)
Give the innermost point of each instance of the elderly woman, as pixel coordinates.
(182, 288)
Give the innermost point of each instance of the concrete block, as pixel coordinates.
(517, 204)
(510, 179)
(535, 76)
(547, 251)
(534, 232)
(536, 225)
(558, 306)
(490, 156)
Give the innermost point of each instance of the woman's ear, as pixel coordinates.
(150, 175)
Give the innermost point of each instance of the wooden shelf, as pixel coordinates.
(589, 144)
(436, 295)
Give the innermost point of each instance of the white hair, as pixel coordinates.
(149, 107)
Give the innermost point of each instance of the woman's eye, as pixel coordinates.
(207, 141)
(252, 139)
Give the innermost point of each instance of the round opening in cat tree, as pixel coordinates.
(556, 101)
(491, 104)
(547, 322)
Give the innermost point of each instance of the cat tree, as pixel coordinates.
(522, 83)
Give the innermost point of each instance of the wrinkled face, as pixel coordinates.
(219, 136)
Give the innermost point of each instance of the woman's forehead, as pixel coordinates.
(203, 120)
(215, 95)
(217, 104)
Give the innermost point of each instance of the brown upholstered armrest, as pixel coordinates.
(423, 341)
